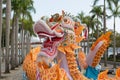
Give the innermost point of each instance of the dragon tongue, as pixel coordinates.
(50, 47)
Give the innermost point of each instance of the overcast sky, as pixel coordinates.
(48, 7)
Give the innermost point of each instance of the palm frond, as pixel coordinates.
(93, 16)
(109, 3)
(31, 9)
(95, 2)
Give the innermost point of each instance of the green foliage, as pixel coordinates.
(115, 8)
(117, 36)
(97, 11)
(19, 8)
(28, 26)
(22, 9)
(26, 9)
(81, 16)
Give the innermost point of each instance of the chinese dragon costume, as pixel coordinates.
(56, 60)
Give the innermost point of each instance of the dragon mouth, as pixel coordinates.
(53, 36)
(50, 47)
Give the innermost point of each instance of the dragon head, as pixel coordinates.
(59, 29)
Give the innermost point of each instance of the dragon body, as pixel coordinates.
(61, 37)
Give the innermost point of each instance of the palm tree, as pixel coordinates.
(16, 40)
(81, 16)
(97, 13)
(3, 38)
(12, 58)
(26, 9)
(29, 32)
(16, 15)
(95, 27)
(104, 12)
(8, 15)
(28, 39)
(14, 7)
(19, 7)
(0, 33)
(115, 11)
(104, 18)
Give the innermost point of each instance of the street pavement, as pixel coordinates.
(13, 75)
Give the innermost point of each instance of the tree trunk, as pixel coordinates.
(97, 28)
(20, 48)
(28, 42)
(12, 59)
(88, 46)
(105, 56)
(92, 36)
(3, 52)
(0, 33)
(8, 15)
(16, 42)
(107, 52)
(22, 44)
(3, 45)
(114, 47)
(19, 51)
(104, 17)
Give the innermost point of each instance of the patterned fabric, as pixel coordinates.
(53, 73)
(41, 71)
(82, 59)
(104, 76)
(29, 64)
(97, 50)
